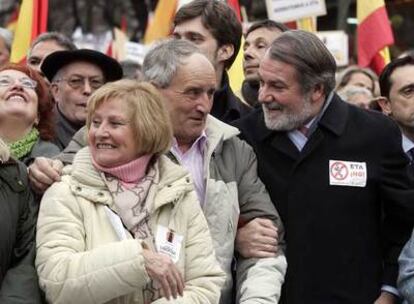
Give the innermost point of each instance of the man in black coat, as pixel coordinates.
(336, 173)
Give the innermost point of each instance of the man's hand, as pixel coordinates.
(386, 298)
(43, 172)
(257, 239)
(163, 271)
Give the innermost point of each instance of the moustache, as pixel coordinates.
(273, 106)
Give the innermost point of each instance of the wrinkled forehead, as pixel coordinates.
(82, 68)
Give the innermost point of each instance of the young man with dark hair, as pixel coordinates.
(214, 28)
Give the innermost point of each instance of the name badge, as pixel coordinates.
(347, 173)
(168, 242)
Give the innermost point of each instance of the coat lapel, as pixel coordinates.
(333, 120)
(277, 140)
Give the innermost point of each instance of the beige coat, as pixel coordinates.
(83, 258)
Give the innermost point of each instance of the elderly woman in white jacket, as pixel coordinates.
(123, 225)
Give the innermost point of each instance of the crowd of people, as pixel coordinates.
(164, 186)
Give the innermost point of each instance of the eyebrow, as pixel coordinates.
(191, 33)
(407, 86)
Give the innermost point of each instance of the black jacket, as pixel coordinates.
(342, 241)
(227, 107)
(18, 278)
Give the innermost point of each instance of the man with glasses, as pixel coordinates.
(74, 76)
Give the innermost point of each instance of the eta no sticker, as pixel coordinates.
(347, 173)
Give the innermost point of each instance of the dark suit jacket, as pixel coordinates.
(227, 107)
(342, 241)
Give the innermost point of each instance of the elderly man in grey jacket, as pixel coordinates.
(223, 169)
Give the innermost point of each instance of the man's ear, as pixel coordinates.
(384, 104)
(317, 93)
(54, 90)
(225, 52)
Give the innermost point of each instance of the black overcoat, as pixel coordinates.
(342, 241)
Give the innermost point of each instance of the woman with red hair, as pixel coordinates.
(26, 115)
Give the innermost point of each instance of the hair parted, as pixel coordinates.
(60, 39)
(313, 62)
(218, 18)
(346, 74)
(385, 77)
(149, 117)
(267, 24)
(162, 61)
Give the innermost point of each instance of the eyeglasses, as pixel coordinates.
(77, 82)
(25, 82)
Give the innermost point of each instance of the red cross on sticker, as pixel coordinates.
(347, 173)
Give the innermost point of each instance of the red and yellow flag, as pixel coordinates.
(161, 24)
(235, 5)
(236, 74)
(32, 21)
(374, 34)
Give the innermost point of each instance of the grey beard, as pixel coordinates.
(288, 121)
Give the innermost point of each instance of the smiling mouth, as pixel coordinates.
(104, 146)
(16, 98)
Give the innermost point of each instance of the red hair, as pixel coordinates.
(45, 105)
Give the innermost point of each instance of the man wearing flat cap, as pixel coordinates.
(74, 76)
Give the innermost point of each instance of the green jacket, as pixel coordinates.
(18, 211)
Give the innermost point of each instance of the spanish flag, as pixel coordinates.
(161, 24)
(374, 34)
(32, 21)
(236, 74)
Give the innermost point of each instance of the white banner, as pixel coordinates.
(135, 51)
(337, 44)
(291, 10)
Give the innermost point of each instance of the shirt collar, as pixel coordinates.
(313, 123)
(407, 143)
(199, 143)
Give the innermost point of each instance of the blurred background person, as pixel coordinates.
(6, 39)
(131, 70)
(44, 45)
(26, 113)
(360, 77)
(18, 279)
(258, 38)
(74, 76)
(124, 224)
(358, 96)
